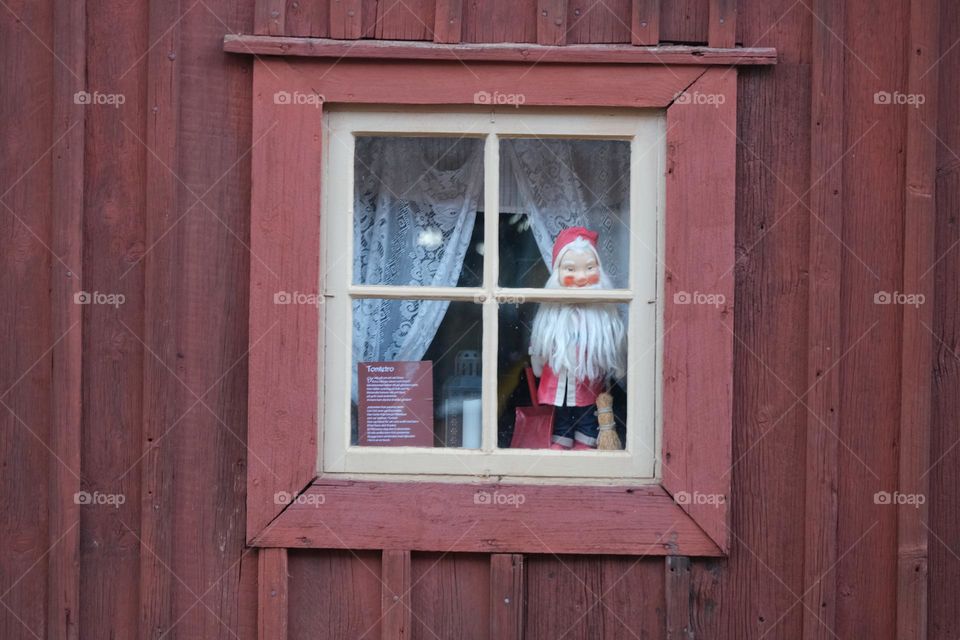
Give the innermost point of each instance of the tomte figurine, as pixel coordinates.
(576, 347)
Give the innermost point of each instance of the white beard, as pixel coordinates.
(587, 339)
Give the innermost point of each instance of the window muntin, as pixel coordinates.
(347, 134)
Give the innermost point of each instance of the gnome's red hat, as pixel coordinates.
(570, 235)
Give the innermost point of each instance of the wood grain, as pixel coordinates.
(916, 373)
(722, 30)
(678, 600)
(450, 596)
(212, 461)
(346, 19)
(362, 82)
(396, 615)
(684, 21)
(99, 198)
(823, 321)
(507, 596)
(113, 355)
(598, 21)
(66, 275)
(448, 21)
(284, 245)
(552, 22)
(407, 20)
(270, 17)
(698, 344)
(351, 608)
(457, 517)
(469, 52)
(770, 357)
(645, 22)
(873, 234)
(165, 398)
(273, 596)
(307, 18)
(944, 271)
(619, 598)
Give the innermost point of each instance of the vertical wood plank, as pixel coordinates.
(334, 594)
(632, 600)
(369, 17)
(551, 21)
(500, 21)
(598, 22)
(684, 21)
(66, 275)
(164, 399)
(307, 18)
(824, 322)
(870, 383)
(677, 590)
(561, 596)
(944, 474)
(916, 387)
(113, 355)
(346, 19)
(283, 356)
(395, 595)
(507, 601)
(407, 20)
(204, 336)
(450, 595)
(645, 22)
(269, 19)
(707, 577)
(722, 24)
(944, 562)
(28, 129)
(448, 22)
(247, 596)
(272, 609)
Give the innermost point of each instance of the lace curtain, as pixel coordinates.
(415, 205)
(565, 183)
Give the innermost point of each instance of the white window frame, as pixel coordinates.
(640, 459)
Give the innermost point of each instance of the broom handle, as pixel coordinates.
(532, 384)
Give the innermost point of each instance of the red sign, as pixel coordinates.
(396, 404)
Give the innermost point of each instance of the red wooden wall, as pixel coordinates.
(837, 397)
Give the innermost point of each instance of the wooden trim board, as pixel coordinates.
(266, 45)
(489, 518)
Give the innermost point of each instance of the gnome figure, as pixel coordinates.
(575, 348)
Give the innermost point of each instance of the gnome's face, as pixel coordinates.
(578, 268)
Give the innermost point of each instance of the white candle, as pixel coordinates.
(472, 422)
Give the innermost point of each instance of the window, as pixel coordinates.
(315, 480)
(438, 229)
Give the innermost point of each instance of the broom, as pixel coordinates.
(608, 438)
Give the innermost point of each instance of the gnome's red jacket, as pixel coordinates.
(564, 390)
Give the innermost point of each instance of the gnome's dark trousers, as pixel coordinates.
(575, 423)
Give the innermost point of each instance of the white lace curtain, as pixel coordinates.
(566, 183)
(415, 205)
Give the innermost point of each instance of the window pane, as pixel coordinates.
(548, 185)
(416, 373)
(579, 351)
(416, 202)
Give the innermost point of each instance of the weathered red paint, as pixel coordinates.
(801, 501)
